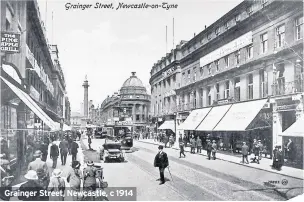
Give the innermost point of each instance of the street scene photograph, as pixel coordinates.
(151, 100)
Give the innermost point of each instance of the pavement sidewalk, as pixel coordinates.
(265, 164)
(65, 168)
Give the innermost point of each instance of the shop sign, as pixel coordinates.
(123, 123)
(287, 107)
(169, 71)
(10, 42)
(220, 102)
(232, 46)
(34, 93)
(160, 119)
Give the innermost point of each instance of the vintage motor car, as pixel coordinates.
(112, 151)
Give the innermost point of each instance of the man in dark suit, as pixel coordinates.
(64, 149)
(209, 148)
(161, 161)
(54, 154)
(74, 150)
(245, 151)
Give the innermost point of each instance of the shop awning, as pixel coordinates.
(169, 124)
(30, 103)
(194, 119)
(213, 118)
(240, 115)
(296, 129)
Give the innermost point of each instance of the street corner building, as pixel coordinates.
(127, 110)
(239, 79)
(34, 103)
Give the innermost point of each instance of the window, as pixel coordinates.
(209, 69)
(227, 90)
(249, 10)
(237, 57)
(250, 87)
(280, 36)
(226, 25)
(263, 85)
(202, 71)
(217, 31)
(237, 89)
(209, 36)
(189, 77)
(264, 42)
(184, 77)
(237, 18)
(226, 58)
(216, 65)
(217, 86)
(169, 82)
(194, 74)
(209, 95)
(264, 3)
(137, 117)
(164, 81)
(299, 28)
(250, 52)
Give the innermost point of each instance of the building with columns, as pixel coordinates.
(127, 110)
(252, 53)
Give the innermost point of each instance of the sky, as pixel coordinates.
(108, 44)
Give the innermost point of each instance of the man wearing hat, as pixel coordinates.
(74, 179)
(256, 151)
(54, 154)
(214, 149)
(89, 176)
(31, 186)
(63, 151)
(245, 151)
(161, 161)
(57, 185)
(209, 148)
(38, 164)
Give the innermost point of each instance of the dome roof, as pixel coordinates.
(133, 81)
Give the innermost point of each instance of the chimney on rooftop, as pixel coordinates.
(205, 26)
(133, 73)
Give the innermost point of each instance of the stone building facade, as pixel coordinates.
(128, 109)
(253, 52)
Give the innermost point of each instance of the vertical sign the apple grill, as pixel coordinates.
(10, 42)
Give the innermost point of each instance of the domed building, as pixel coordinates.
(127, 110)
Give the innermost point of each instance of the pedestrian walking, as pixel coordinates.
(199, 145)
(171, 141)
(89, 142)
(31, 186)
(74, 150)
(161, 161)
(180, 139)
(70, 140)
(214, 149)
(54, 154)
(193, 145)
(39, 164)
(245, 151)
(182, 150)
(278, 158)
(209, 149)
(261, 147)
(89, 176)
(44, 147)
(63, 151)
(56, 186)
(256, 151)
(166, 140)
(74, 178)
(43, 178)
(185, 140)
